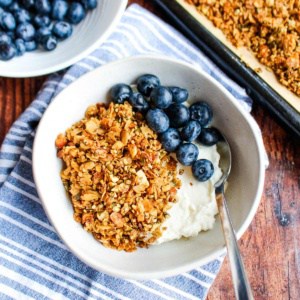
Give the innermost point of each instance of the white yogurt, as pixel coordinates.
(196, 206)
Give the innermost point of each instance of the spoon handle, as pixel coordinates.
(241, 284)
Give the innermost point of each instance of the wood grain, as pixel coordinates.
(271, 245)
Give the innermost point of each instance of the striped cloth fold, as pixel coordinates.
(34, 263)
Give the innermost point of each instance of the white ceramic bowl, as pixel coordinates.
(86, 37)
(245, 183)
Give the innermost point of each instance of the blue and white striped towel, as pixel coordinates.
(29, 265)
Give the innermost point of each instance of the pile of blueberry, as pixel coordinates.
(27, 24)
(177, 125)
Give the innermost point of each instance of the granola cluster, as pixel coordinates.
(120, 180)
(270, 28)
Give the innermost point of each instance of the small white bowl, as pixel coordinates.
(86, 37)
(245, 182)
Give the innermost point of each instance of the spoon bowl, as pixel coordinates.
(240, 281)
(223, 149)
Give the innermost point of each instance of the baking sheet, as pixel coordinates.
(238, 63)
(246, 56)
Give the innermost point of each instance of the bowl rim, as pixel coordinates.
(57, 67)
(144, 275)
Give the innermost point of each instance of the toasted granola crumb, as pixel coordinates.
(271, 29)
(120, 180)
(258, 70)
(181, 171)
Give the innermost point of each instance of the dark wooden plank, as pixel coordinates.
(271, 245)
(15, 96)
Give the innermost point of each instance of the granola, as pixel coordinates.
(271, 29)
(120, 180)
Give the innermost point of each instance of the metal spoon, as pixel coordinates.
(241, 284)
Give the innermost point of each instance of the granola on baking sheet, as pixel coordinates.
(120, 180)
(270, 28)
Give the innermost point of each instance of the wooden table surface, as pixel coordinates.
(271, 245)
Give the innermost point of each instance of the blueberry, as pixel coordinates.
(7, 21)
(146, 83)
(179, 95)
(62, 30)
(49, 43)
(190, 131)
(170, 139)
(11, 34)
(14, 6)
(22, 16)
(4, 37)
(30, 45)
(209, 136)
(5, 3)
(76, 13)
(59, 9)
(202, 169)
(161, 97)
(26, 31)
(7, 51)
(42, 34)
(89, 4)
(157, 120)
(28, 3)
(187, 154)
(42, 6)
(41, 21)
(138, 102)
(201, 112)
(120, 92)
(20, 47)
(179, 115)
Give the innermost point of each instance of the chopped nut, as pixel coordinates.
(117, 219)
(132, 150)
(124, 137)
(92, 125)
(142, 182)
(117, 145)
(140, 218)
(147, 205)
(90, 195)
(60, 141)
(113, 178)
